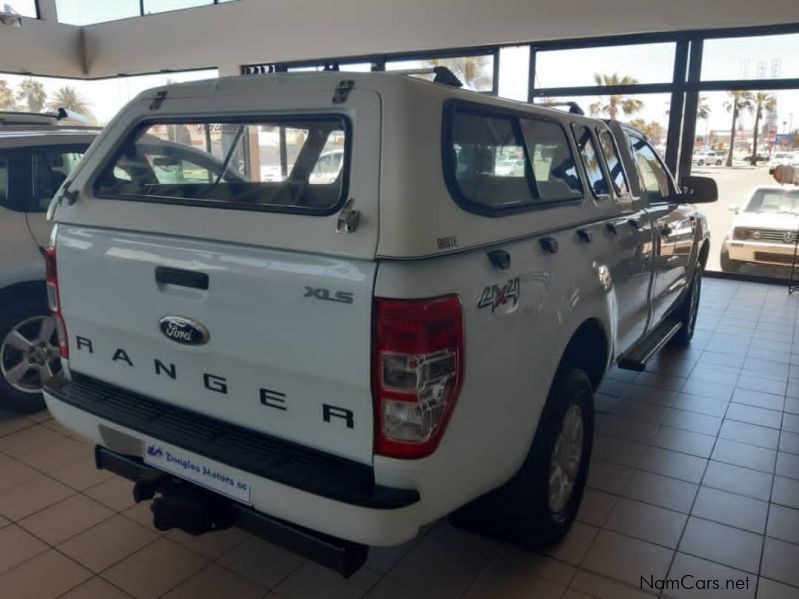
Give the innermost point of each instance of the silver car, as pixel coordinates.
(36, 157)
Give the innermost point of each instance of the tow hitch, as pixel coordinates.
(184, 505)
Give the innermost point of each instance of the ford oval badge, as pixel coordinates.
(184, 330)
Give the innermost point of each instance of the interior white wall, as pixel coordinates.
(247, 31)
(42, 46)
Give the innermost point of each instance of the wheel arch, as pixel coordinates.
(24, 290)
(588, 348)
(704, 253)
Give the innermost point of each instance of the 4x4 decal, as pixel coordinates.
(495, 295)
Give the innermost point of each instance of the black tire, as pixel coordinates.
(689, 309)
(700, 163)
(28, 308)
(520, 511)
(728, 265)
(718, 162)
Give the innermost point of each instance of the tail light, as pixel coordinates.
(54, 299)
(418, 371)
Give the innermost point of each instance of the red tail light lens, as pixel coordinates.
(54, 299)
(418, 371)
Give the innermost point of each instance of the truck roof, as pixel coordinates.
(383, 82)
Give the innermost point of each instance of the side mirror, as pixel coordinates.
(699, 190)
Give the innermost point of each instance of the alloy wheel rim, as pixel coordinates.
(566, 458)
(29, 354)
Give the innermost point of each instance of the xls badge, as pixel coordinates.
(501, 296)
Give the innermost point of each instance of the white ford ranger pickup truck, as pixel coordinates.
(334, 360)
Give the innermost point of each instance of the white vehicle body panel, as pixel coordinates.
(264, 332)
(22, 234)
(20, 258)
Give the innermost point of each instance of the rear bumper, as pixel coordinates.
(342, 556)
(305, 487)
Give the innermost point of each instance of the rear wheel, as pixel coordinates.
(29, 355)
(538, 505)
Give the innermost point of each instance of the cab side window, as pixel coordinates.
(613, 161)
(49, 169)
(654, 178)
(591, 162)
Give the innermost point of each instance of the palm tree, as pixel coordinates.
(68, 97)
(473, 71)
(7, 101)
(653, 130)
(703, 108)
(33, 94)
(738, 100)
(616, 102)
(760, 101)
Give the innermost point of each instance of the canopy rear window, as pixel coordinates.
(296, 165)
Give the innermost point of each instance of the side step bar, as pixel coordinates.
(345, 557)
(637, 357)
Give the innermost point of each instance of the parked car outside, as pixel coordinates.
(764, 231)
(708, 158)
(36, 157)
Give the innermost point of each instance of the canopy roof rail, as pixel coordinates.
(13, 117)
(574, 107)
(442, 75)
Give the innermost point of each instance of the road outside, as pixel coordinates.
(735, 186)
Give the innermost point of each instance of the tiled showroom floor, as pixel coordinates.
(695, 471)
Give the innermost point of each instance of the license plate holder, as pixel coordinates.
(197, 469)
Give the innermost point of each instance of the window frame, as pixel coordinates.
(204, 119)
(635, 134)
(603, 167)
(618, 193)
(449, 167)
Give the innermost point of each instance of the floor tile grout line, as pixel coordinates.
(699, 487)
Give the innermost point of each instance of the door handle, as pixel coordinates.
(584, 235)
(166, 275)
(612, 228)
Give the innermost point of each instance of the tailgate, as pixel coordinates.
(279, 342)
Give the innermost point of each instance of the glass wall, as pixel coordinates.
(23, 8)
(759, 57)
(514, 72)
(98, 101)
(88, 12)
(741, 136)
(612, 65)
(156, 6)
(475, 72)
